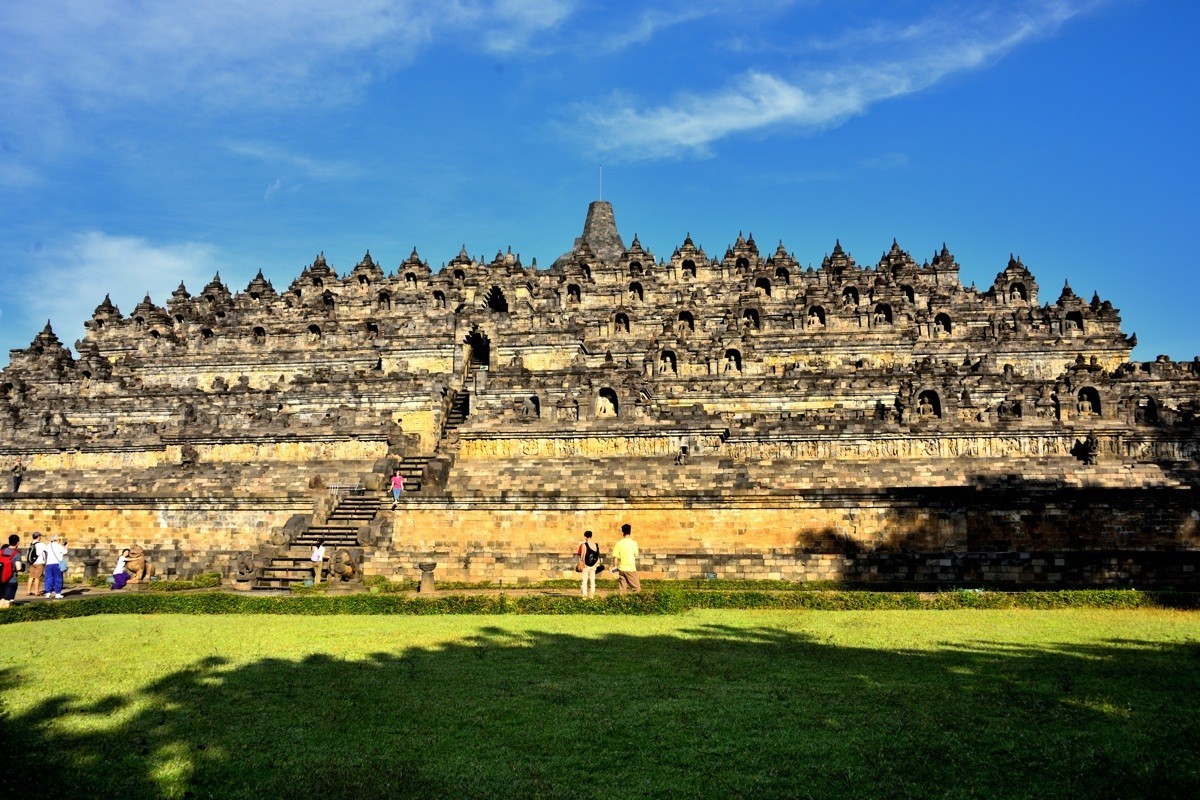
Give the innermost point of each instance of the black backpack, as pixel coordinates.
(590, 556)
(31, 557)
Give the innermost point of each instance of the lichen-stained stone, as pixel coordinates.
(750, 414)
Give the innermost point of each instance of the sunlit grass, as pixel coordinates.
(716, 703)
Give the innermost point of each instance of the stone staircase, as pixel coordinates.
(340, 530)
(413, 470)
(460, 409)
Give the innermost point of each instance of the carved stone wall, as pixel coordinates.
(614, 376)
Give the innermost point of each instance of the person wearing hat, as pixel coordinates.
(51, 554)
(35, 565)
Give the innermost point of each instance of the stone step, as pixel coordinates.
(271, 583)
(287, 572)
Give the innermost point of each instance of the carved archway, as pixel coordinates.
(668, 363)
(607, 404)
(479, 349)
(1087, 402)
(496, 301)
(733, 361)
(929, 405)
(1145, 411)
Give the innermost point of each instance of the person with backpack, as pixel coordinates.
(10, 565)
(35, 565)
(589, 560)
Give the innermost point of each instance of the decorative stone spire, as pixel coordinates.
(600, 234)
(260, 287)
(463, 259)
(106, 308)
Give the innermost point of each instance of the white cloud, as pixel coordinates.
(229, 53)
(651, 21)
(512, 26)
(71, 280)
(761, 100)
(310, 167)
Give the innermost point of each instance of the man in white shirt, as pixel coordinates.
(51, 554)
(318, 559)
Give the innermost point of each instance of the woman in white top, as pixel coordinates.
(120, 573)
(588, 552)
(51, 554)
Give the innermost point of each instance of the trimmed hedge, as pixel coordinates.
(666, 600)
(209, 580)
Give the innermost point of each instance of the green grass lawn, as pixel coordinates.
(1068, 703)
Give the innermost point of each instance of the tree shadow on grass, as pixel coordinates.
(718, 712)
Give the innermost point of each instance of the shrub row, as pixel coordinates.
(667, 600)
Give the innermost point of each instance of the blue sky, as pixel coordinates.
(146, 143)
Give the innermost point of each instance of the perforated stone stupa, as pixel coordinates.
(750, 416)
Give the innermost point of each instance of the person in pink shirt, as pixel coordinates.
(397, 486)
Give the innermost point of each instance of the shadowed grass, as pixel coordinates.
(1069, 703)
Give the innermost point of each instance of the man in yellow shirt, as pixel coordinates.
(625, 553)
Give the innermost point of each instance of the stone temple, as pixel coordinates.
(749, 416)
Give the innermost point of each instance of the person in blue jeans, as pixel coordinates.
(51, 554)
(397, 487)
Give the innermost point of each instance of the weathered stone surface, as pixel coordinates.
(747, 414)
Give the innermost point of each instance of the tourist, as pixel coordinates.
(625, 553)
(35, 565)
(397, 486)
(10, 565)
(589, 558)
(51, 554)
(318, 559)
(120, 574)
(18, 472)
